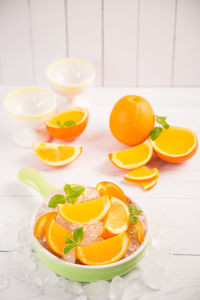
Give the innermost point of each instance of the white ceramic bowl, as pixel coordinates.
(31, 107)
(70, 76)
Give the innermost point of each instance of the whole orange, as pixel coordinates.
(131, 120)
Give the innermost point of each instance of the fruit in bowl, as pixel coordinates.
(84, 233)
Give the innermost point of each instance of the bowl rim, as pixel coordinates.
(68, 60)
(86, 267)
(29, 116)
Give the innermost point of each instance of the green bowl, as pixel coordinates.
(85, 273)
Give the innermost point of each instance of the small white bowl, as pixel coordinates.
(31, 107)
(70, 77)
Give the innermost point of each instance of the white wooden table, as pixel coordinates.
(174, 202)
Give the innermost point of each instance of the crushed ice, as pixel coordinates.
(147, 277)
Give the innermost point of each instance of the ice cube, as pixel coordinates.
(87, 195)
(97, 290)
(70, 256)
(116, 288)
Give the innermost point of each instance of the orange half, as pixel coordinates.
(56, 237)
(111, 189)
(84, 212)
(78, 115)
(104, 252)
(56, 155)
(41, 223)
(132, 158)
(175, 144)
(141, 174)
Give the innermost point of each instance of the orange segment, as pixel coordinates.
(175, 144)
(117, 218)
(104, 252)
(40, 225)
(141, 174)
(149, 184)
(140, 232)
(86, 211)
(132, 158)
(56, 237)
(56, 154)
(111, 189)
(79, 116)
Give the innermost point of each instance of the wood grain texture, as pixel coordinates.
(48, 35)
(15, 50)
(84, 19)
(156, 28)
(187, 47)
(120, 42)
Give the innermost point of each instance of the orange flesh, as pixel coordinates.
(75, 116)
(54, 154)
(104, 252)
(111, 189)
(149, 184)
(40, 225)
(140, 231)
(141, 174)
(133, 155)
(175, 141)
(56, 237)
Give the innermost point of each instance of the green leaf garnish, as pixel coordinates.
(133, 219)
(73, 192)
(154, 134)
(59, 123)
(72, 243)
(69, 123)
(57, 199)
(133, 213)
(78, 234)
(67, 189)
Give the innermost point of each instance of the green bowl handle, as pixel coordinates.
(35, 180)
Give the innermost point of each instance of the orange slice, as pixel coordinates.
(149, 184)
(56, 237)
(140, 232)
(175, 144)
(77, 119)
(41, 223)
(141, 174)
(111, 189)
(84, 212)
(132, 158)
(104, 252)
(117, 218)
(56, 155)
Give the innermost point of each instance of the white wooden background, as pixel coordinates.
(130, 42)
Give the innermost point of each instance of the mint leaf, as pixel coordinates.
(59, 123)
(77, 190)
(57, 199)
(71, 199)
(68, 248)
(69, 240)
(133, 219)
(67, 189)
(78, 234)
(154, 134)
(69, 123)
(160, 120)
(133, 210)
(165, 125)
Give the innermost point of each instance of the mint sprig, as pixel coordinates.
(78, 235)
(65, 124)
(154, 134)
(134, 212)
(72, 192)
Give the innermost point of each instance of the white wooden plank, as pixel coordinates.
(15, 52)
(156, 28)
(48, 34)
(187, 59)
(84, 19)
(120, 42)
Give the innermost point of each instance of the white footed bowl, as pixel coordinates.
(31, 107)
(71, 76)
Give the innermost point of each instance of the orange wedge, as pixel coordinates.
(40, 225)
(111, 189)
(117, 218)
(141, 174)
(104, 252)
(149, 184)
(76, 118)
(140, 231)
(56, 155)
(175, 144)
(84, 212)
(56, 237)
(132, 158)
